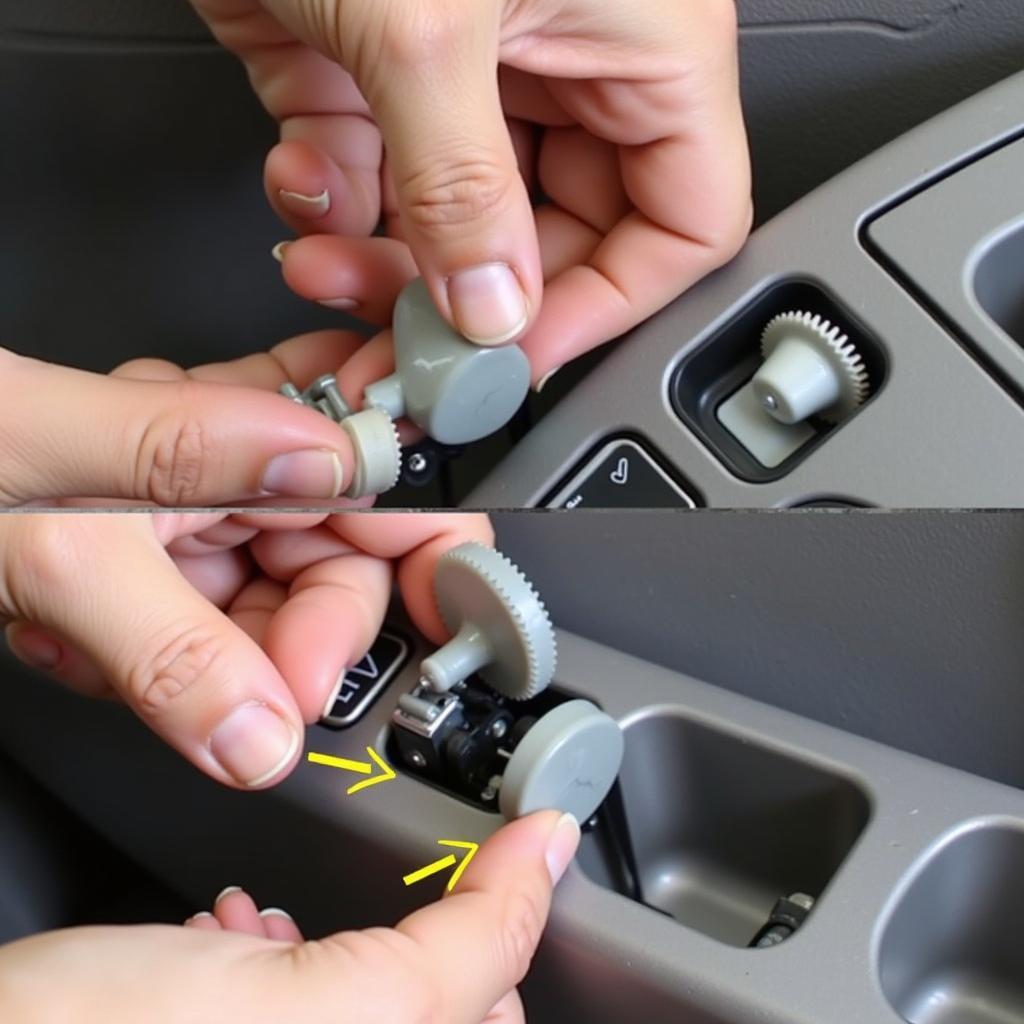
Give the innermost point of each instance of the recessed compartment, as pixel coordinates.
(716, 379)
(953, 950)
(721, 827)
(999, 283)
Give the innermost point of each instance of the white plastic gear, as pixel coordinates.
(517, 624)
(835, 346)
(378, 452)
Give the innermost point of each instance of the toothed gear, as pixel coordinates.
(378, 452)
(834, 346)
(497, 619)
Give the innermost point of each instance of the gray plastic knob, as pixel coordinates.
(454, 390)
(502, 630)
(567, 762)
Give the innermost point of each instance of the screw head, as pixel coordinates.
(499, 728)
(417, 462)
(770, 403)
(417, 760)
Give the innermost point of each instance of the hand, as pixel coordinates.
(457, 961)
(444, 118)
(173, 441)
(223, 633)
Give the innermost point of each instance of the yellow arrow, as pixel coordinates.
(445, 862)
(361, 767)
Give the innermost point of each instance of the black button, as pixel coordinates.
(364, 682)
(621, 475)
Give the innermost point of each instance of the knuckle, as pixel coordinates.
(731, 235)
(173, 669)
(461, 191)
(47, 548)
(418, 33)
(174, 455)
(523, 925)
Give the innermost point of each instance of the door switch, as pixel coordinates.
(363, 683)
(621, 475)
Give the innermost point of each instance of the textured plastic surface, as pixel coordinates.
(456, 391)
(502, 630)
(942, 432)
(958, 244)
(951, 953)
(567, 761)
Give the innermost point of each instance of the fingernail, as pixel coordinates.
(277, 912)
(198, 916)
(488, 303)
(225, 892)
(329, 706)
(338, 303)
(34, 648)
(305, 206)
(314, 473)
(253, 744)
(543, 382)
(278, 251)
(562, 846)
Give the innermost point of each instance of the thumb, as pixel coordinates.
(69, 433)
(184, 667)
(432, 86)
(457, 960)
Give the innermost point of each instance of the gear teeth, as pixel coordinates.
(378, 449)
(466, 554)
(837, 344)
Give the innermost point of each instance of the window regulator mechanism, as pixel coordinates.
(464, 726)
(455, 391)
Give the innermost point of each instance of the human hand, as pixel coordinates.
(168, 440)
(246, 968)
(443, 119)
(224, 633)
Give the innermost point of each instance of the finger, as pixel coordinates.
(324, 176)
(465, 209)
(334, 611)
(495, 916)
(359, 275)
(418, 542)
(236, 911)
(299, 360)
(279, 925)
(44, 650)
(187, 671)
(508, 1011)
(333, 614)
(691, 193)
(218, 576)
(173, 443)
(204, 921)
(256, 605)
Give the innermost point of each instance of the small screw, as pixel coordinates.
(325, 394)
(770, 403)
(499, 728)
(417, 463)
(289, 390)
(417, 760)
